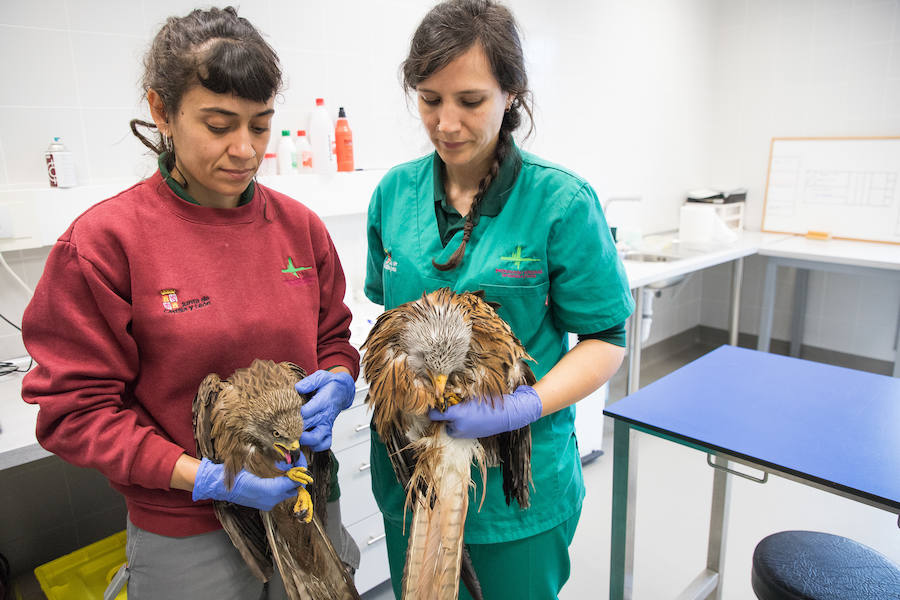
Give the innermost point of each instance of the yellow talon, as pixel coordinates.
(299, 474)
(449, 400)
(303, 508)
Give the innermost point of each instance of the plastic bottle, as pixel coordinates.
(269, 165)
(321, 138)
(304, 153)
(287, 154)
(343, 142)
(60, 166)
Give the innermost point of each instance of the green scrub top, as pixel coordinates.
(547, 257)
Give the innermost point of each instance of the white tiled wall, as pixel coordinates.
(804, 68)
(644, 98)
(622, 89)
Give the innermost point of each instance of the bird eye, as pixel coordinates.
(276, 433)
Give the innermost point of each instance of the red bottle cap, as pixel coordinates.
(301, 132)
(320, 102)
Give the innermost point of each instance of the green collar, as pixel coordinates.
(449, 219)
(176, 187)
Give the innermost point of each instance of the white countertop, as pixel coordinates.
(36, 216)
(845, 252)
(645, 273)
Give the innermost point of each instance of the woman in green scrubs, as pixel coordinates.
(481, 214)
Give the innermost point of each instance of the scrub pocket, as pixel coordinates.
(523, 307)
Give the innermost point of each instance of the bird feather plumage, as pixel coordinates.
(235, 422)
(430, 353)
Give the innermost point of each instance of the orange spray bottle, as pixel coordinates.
(343, 141)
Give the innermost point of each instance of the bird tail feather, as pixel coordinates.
(310, 567)
(434, 554)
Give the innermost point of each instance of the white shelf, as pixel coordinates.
(33, 217)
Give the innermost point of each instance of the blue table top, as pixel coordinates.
(835, 426)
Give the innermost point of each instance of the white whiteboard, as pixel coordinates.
(846, 187)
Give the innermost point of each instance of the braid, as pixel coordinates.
(504, 143)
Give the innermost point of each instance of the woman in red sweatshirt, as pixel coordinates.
(195, 270)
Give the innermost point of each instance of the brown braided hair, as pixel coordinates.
(214, 48)
(448, 31)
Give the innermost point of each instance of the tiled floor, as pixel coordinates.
(674, 489)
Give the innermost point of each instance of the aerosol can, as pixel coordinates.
(60, 166)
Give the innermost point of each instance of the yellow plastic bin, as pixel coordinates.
(85, 573)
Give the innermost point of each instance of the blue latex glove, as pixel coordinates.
(332, 393)
(476, 418)
(248, 490)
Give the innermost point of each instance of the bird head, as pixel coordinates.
(436, 341)
(278, 428)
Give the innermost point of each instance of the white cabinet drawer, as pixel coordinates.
(350, 428)
(354, 476)
(373, 560)
(362, 388)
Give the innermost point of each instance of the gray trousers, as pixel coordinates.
(206, 565)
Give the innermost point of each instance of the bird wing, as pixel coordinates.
(308, 563)
(436, 483)
(392, 391)
(242, 524)
(499, 359)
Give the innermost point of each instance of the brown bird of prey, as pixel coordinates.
(430, 354)
(251, 421)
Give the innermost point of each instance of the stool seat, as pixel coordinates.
(809, 565)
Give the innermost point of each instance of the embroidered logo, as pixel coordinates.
(169, 299)
(172, 305)
(389, 263)
(296, 275)
(517, 259)
(294, 270)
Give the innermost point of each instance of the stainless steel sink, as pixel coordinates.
(637, 255)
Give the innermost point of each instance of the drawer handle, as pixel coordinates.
(374, 539)
(359, 428)
(365, 467)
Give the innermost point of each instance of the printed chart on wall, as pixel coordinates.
(845, 188)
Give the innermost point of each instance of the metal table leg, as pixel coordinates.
(718, 527)
(897, 354)
(798, 316)
(737, 275)
(767, 310)
(633, 380)
(621, 561)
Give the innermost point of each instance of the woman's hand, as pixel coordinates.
(478, 418)
(247, 490)
(332, 393)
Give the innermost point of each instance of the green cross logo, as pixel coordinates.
(518, 259)
(292, 269)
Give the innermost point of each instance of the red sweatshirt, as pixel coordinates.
(145, 295)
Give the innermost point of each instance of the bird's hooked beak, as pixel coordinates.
(440, 382)
(289, 451)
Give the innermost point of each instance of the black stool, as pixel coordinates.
(808, 565)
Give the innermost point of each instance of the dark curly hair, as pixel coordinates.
(448, 31)
(214, 48)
